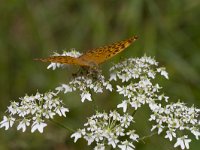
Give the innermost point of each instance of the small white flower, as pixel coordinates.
(195, 131)
(48, 114)
(126, 145)
(115, 115)
(13, 108)
(38, 125)
(120, 131)
(163, 72)
(183, 142)
(86, 95)
(113, 76)
(153, 127)
(170, 134)
(61, 111)
(22, 125)
(7, 122)
(89, 138)
(122, 90)
(123, 105)
(126, 120)
(23, 111)
(91, 122)
(99, 147)
(113, 141)
(97, 88)
(125, 77)
(77, 135)
(108, 86)
(166, 98)
(59, 89)
(135, 104)
(132, 135)
(160, 128)
(152, 117)
(53, 66)
(67, 88)
(151, 74)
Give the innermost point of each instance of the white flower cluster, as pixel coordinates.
(134, 68)
(72, 53)
(107, 130)
(136, 76)
(138, 89)
(135, 82)
(176, 117)
(86, 84)
(33, 110)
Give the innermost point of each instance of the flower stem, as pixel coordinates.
(134, 112)
(61, 125)
(147, 136)
(95, 104)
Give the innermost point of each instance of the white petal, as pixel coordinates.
(85, 95)
(123, 105)
(76, 136)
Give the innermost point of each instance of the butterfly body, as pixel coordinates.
(94, 56)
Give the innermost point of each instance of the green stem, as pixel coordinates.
(134, 112)
(152, 134)
(147, 136)
(92, 97)
(61, 125)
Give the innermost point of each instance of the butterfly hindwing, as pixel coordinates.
(62, 60)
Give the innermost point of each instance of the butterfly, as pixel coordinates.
(93, 57)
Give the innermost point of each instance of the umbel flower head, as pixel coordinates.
(86, 84)
(135, 80)
(34, 110)
(107, 130)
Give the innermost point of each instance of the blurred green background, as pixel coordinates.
(168, 30)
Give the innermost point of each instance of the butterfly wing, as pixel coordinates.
(94, 56)
(99, 55)
(63, 60)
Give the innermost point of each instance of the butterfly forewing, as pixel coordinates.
(94, 56)
(99, 55)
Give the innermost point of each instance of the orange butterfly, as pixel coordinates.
(94, 56)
